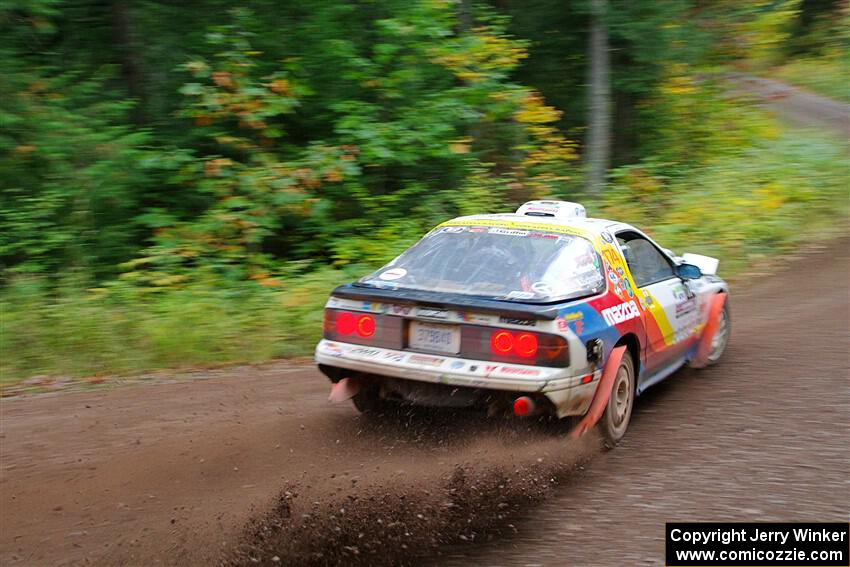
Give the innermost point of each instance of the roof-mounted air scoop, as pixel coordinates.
(557, 209)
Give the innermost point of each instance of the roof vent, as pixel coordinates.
(557, 209)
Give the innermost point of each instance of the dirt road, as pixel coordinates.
(796, 106)
(252, 463)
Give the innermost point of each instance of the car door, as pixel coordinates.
(666, 300)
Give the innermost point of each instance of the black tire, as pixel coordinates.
(618, 412)
(368, 400)
(721, 337)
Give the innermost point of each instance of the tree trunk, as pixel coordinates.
(127, 46)
(598, 146)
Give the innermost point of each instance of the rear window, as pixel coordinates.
(496, 263)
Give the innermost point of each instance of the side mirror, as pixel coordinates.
(688, 272)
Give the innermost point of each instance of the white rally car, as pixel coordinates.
(539, 311)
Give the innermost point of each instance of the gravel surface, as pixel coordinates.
(765, 435)
(252, 463)
(796, 106)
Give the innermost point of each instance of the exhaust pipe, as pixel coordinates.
(524, 406)
(343, 390)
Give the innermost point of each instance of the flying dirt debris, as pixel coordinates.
(202, 482)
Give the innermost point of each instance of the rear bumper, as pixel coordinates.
(568, 393)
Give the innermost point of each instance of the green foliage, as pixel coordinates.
(430, 120)
(756, 204)
(183, 186)
(73, 331)
(697, 120)
(71, 176)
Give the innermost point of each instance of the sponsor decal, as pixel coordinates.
(508, 231)
(473, 317)
(544, 235)
(513, 321)
(374, 307)
(526, 226)
(477, 229)
(426, 360)
(401, 309)
(679, 292)
(457, 365)
(454, 229)
(489, 369)
(685, 307)
(432, 313)
(620, 271)
(473, 368)
(621, 313)
(368, 352)
(394, 356)
(516, 371)
(611, 256)
(576, 319)
(628, 286)
(393, 274)
(332, 349)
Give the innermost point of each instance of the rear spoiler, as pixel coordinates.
(456, 301)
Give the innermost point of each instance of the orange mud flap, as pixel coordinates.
(343, 390)
(700, 359)
(603, 393)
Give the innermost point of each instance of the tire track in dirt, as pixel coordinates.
(172, 473)
(193, 472)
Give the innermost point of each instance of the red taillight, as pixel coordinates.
(505, 343)
(345, 323)
(360, 328)
(366, 326)
(348, 323)
(502, 342)
(526, 345)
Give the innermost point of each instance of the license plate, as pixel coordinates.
(435, 338)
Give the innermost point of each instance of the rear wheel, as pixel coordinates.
(368, 400)
(618, 412)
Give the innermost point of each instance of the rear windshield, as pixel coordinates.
(496, 263)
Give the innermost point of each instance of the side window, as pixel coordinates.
(647, 264)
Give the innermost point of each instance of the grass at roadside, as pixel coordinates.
(75, 332)
(741, 209)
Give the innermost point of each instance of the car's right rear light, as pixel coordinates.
(506, 343)
(515, 346)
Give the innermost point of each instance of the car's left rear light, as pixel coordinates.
(363, 328)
